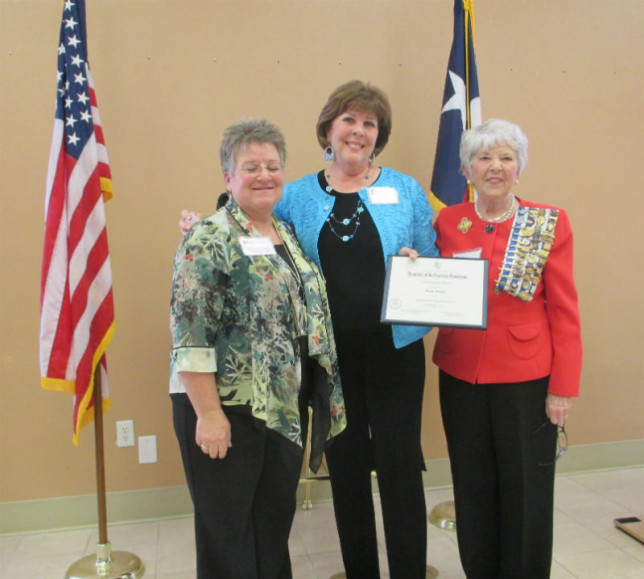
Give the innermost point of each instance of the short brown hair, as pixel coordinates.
(359, 96)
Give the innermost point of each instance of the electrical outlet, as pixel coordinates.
(124, 433)
(147, 449)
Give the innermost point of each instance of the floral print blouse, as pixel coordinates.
(241, 317)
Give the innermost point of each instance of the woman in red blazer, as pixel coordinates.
(505, 391)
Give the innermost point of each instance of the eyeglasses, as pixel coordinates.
(562, 442)
(255, 169)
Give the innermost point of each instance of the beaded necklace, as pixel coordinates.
(352, 221)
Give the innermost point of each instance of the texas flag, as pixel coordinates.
(461, 110)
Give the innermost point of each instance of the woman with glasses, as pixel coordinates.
(252, 349)
(505, 391)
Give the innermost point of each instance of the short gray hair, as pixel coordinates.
(490, 134)
(238, 136)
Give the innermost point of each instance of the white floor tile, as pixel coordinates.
(572, 538)
(8, 546)
(586, 544)
(37, 566)
(559, 572)
(326, 564)
(609, 564)
(296, 545)
(71, 543)
(302, 567)
(636, 550)
(442, 553)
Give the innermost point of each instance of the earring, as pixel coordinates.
(328, 154)
(468, 182)
(372, 158)
(516, 181)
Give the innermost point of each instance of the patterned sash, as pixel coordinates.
(529, 245)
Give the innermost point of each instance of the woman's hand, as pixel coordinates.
(188, 219)
(407, 251)
(213, 433)
(557, 408)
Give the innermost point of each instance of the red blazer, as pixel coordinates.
(523, 340)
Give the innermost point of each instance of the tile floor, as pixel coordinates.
(587, 546)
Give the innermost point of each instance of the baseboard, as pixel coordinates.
(605, 456)
(168, 502)
(82, 511)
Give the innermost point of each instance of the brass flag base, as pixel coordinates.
(443, 515)
(432, 573)
(106, 565)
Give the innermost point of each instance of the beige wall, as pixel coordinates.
(170, 75)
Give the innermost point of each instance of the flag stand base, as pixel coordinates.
(443, 516)
(106, 565)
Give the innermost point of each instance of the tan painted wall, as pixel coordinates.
(170, 75)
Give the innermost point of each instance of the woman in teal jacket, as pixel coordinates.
(349, 218)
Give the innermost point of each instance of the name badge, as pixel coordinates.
(472, 254)
(383, 195)
(257, 246)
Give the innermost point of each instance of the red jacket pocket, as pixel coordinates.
(525, 341)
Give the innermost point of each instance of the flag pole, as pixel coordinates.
(443, 515)
(468, 15)
(105, 564)
(100, 456)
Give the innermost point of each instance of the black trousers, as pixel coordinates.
(244, 504)
(502, 452)
(383, 393)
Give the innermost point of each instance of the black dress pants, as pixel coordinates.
(383, 394)
(502, 451)
(244, 504)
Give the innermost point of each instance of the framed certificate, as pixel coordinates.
(436, 291)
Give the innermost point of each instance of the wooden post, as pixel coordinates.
(100, 457)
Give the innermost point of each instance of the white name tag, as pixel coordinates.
(257, 246)
(383, 195)
(472, 254)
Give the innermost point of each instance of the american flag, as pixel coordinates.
(461, 110)
(77, 308)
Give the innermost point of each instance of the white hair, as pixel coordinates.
(493, 133)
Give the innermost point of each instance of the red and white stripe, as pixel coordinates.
(77, 309)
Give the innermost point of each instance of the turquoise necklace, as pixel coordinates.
(351, 221)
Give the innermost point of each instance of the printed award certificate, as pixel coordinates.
(436, 291)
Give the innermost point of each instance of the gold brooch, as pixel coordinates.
(464, 225)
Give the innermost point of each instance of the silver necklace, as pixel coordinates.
(503, 217)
